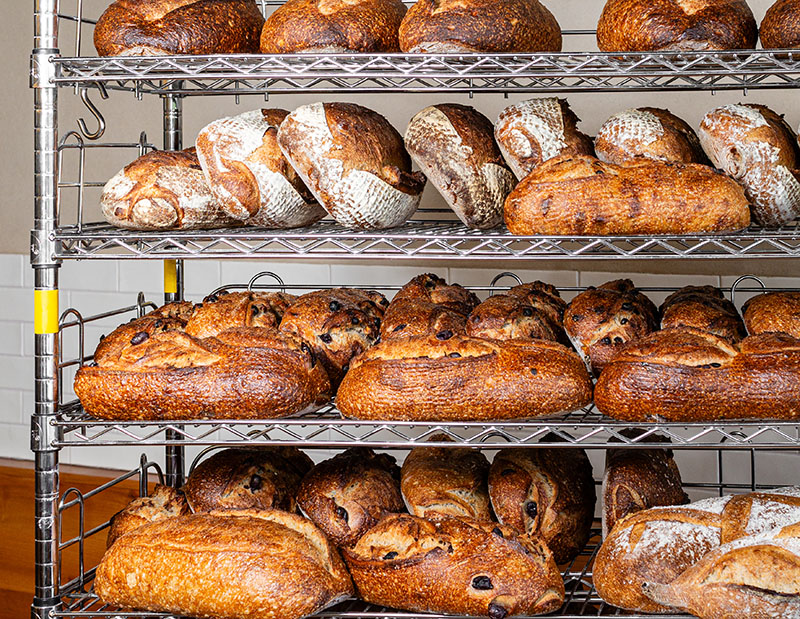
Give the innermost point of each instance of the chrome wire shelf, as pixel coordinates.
(564, 71)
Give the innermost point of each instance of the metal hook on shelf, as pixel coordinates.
(144, 465)
(258, 276)
(745, 278)
(502, 275)
(101, 121)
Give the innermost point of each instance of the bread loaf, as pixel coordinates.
(489, 26)
(454, 147)
(531, 132)
(647, 132)
(659, 544)
(691, 375)
(547, 492)
(446, 480)
(167, 27)
(241, 565)
(249, 176)
(773, 312)
(780, 28)
(346, 495)
(426, 378)
(704, 308)
(164, 502)
(676, 25)
(260, 478)
(222, 311)
(756, 146)
(454, 566)
(162, 190)
(354, 163)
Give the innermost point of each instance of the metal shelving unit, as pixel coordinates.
(63, 188)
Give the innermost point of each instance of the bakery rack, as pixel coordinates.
(64, 183)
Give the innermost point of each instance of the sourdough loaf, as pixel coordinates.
(780, 28)
(773, 312)
(164, 502)
(222, 311)
(704, 308)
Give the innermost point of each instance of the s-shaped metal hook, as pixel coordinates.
(101, 122)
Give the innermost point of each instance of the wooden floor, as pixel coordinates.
(16, 525)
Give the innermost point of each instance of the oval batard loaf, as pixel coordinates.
(458, 26)
(647, 132)
(164, 502)
(333, 26)
(454, 147)
(251, 564)
(221, 311)
(454, 566)
(685, 374)
(354, 162)
(584, 196)
(676, 25)
(780, 28)
(705, 308)
(167, 27)
(756, 146)
(461, 378)
(531, 132)
(773, 312)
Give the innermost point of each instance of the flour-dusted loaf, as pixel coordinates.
(454, 566)
(448, 481)
(333, 26)
(249, 564)
(648, 132)
(222, 311)
(773, 312)
(548, 492)
(780, 28)
(162, 190)
(659, 544)
(531, 132)
(167, 27)
(454, 146)
(758, 148)
(346, 495)
(584, 196)
(354, 162)
(676, 25)
(248, 174)
(164, 502)
(458, 378)
(686, 374)
(704, 308)
(487, 26)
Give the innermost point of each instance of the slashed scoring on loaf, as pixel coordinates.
(637, 126)
(540, 118)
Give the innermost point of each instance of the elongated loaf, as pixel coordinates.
(780, 28)
(164, 502)
(773, 312)
(704, 308)
(584, 196)
(244, 565)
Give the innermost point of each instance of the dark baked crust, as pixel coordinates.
(666, 25)
(773, 312)
(333, 26)
(780, 28)
(346, 495)
(223, 311)
(705, 308)
(163, 502)
(167, 27)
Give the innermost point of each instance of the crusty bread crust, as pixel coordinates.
(163, 502)
(704, 308)
(780, 28)
(773, 312)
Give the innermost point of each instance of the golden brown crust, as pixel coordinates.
(346, 495)
(705, 308)
(163, 502)
(167, 27)
(667, 25)
(462, 378)
(780, 28)
(584, 196)
(773, 312)
(367, 26)
(223, 311)
(454, 566)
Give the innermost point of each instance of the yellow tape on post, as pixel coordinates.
(170, 277)
(45, 311)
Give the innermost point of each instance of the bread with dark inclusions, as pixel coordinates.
(705, 308)
(459, 378)
(686, 374)
(257, 478)
(583, 196)
(168, 27)
(226, 310)
(599, 321)
(454, 566)
(346, 495)
(676, 25)
(333, 26)
(164, 502)
(780, 28)
(773, 312)
(251, 564)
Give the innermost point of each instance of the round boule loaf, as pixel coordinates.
(780, 28)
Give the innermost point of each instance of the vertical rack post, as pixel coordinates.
(43, 433)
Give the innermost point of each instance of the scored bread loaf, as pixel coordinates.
(346, 495)
(354, 162)
(686, 374)
(658, 544)
(251, 564)
(704, 308)
(758, 148)
(676, 25)
(449, 481)
(223, 310)
(454, 146)
(531, 132)
(163, 502)
(780, 28)
(248, 174)
(167, 27)
(333, 26)
(459, 378)
(584, 196)
(773, 312)
(454, 566)
(468, 26)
